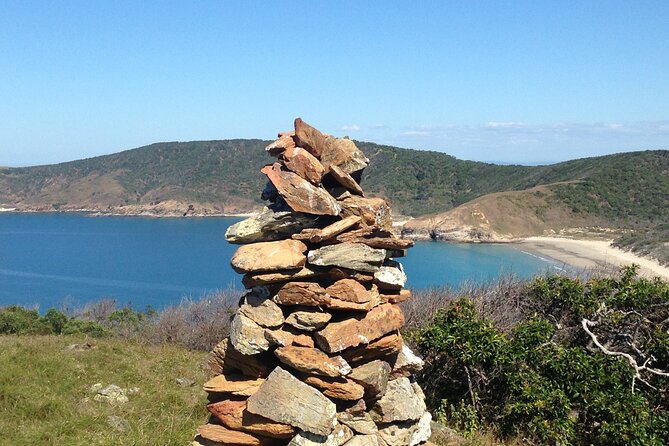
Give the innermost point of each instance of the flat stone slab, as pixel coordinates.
(381, 348)
(233, 415)
(304, 164)
(340, 389)
(268, 226)
(308, 319)
(234, 384)
(312, 360)
(381, 320)
(302, 293)
(287, 400)
(355, 256)
(220, 434)
(300, 194)
(269, 256)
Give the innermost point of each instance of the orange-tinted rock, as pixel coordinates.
(285, 142)
(251, 280)
(303, 341)
(312, 360)
(224, 358)
(342, 305)
(373, 211)
(300, 194)
(341, 389)
(345, 180)
(336, 228)
(220, 434)
(386, 346)
(310, 138)
(351, 291)
(338, 336)
(308, 319)
(269, 256)
(233, 384)
(304, 164)
(401, 296)
(343, 153)
(302, 293)
(233, 415)
(280, 337)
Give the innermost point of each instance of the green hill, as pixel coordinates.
(456, 198)
(624, 189)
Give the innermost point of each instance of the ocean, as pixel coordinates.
(65, 260)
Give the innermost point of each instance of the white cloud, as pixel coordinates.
(350, 128)
(504, 124)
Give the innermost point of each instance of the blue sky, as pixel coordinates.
(518, 81)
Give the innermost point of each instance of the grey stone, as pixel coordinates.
(262, 310)
(267, 226)
(373, 376)
(111, 394)
(390, 276)
(339, 436)
(184, 382)
(308, 319)
(407, 363)
(285, 399)
(364, 440)
(355, 256)
(118, 424)
(247, 337)
(361, 424)
(408, 433)
(399, 403)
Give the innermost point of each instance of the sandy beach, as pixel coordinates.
(590, 254)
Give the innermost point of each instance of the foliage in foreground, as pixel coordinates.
(193, 324)
(45, 396)
(545, 379)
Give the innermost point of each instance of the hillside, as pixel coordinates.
(623, 191)
(222, 177)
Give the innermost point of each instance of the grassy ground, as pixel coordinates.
(45, 397)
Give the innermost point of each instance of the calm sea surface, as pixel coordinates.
(65, 260)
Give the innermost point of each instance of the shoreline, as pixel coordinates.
(584, 254)
(589, 254)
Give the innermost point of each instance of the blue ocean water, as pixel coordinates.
(66, 260)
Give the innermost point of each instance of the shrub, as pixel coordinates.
(546, 379)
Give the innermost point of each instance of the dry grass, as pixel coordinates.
(45, 397)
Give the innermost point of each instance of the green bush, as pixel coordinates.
(545, 380)
(90, 328)
(18, 320)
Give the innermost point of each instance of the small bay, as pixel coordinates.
(65, 260)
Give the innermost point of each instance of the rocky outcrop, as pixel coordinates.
(314, 356)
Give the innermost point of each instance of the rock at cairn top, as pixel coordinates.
(314, 356)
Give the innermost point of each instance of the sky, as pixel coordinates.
(512, 82)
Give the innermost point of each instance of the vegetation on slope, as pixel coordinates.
(559, 361)
(629, 187)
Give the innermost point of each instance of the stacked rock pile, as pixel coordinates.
(314, 355)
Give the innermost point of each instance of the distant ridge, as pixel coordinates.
(624, 190)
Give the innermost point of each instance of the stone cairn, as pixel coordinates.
(314, 355)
